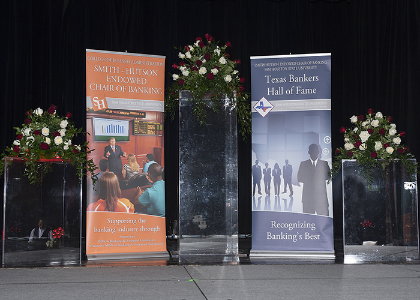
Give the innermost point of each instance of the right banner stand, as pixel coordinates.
(292, 213)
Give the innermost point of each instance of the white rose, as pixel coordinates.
(175, 76)
(16, 142)
(389, 150)
(217, 51)
(191, 48)
(346, 140)
(365, 123)
(214, 71)
(58, 140)
(362, 147)
(235, 72)
(353, 119)
(396, 140)
(78, 147)
(378, 146)
(355, 129)
(392, 131)
(185, 73)
(181, 55)
(188, 54)
(393, 125)
(222, 60)
(47, 140)
(66, 147)
(64, 123)
(29, 140)
(182, 68)
(197, 43)
(38, 111)
(375, 123)
(62, 132)
(364, 136)
(202, 70)
(27, 132)
(348, 146)
(203, 61)
(228, 78)
(379, 115)
(45, 131)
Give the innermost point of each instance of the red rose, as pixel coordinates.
(37, 132)
(357, 144)
(389, 119)
(16, 148)
(360, 118)
(370, 130)
(28, 113)
(370, 111)
(227, 55)
(400, 150)
(19, 136)
(373, 154)
(52, 109)
(44, 146)
(207, 56)
(210, 38)
(381, 131)
(206, 35)
(242, 80)
(69, 115)
(238, 61)
(241, 88)
(182, 63)
(386, 145)
(199, 62)
(194, 68)
(181, 81)
(216, 67)
(187, 48)
(337, 151)
(201, 44)
(210, 76)
(175, 66)
(350, 154)
(56, 134)
(28, 121)
(407, 149)
(198, 38)
(75, 151)
(228, 44)
(342, 129)
(402, 133)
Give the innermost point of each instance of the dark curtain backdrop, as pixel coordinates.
(374, 45)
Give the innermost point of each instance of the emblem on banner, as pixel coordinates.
(263, 107)
(99, 104)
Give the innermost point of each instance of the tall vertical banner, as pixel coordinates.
(125, 214)
(291, 155)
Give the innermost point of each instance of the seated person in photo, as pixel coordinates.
(132, 168)
(103, 167)
(110, 196)
(150, 159)
(153, 198)
(39, 236)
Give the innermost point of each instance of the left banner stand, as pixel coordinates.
(125, 215)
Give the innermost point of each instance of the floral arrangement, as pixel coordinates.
(46, 135)
(373, 140)
(56, 234)
(206, 69)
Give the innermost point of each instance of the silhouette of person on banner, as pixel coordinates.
(256, 177)
(287, 177)
(314, 173)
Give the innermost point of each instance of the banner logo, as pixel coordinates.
(99, 104)
(263, 107)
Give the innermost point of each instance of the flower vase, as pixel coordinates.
(208, 179)
(380, 219)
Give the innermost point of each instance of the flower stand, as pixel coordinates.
(380, 220)
(57, 201)
(208, 180)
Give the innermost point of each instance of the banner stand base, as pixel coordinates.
(124, 256)
(292, 254)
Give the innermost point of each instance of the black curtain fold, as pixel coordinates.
(374, 45)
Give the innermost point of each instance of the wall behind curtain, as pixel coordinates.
(374, 45)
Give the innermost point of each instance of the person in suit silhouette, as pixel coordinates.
(267, 179)
(256, 177)
(314, 173)
(114, 153)
(276, 178)
(287, 177)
